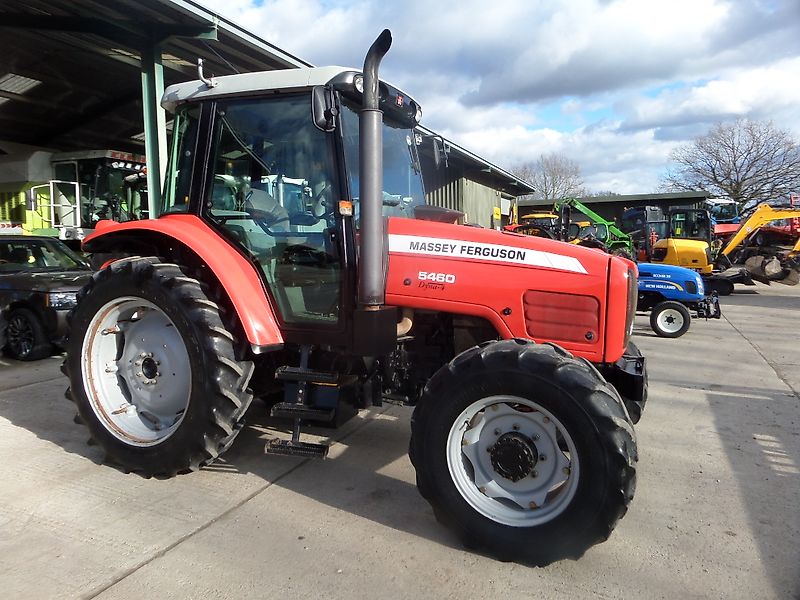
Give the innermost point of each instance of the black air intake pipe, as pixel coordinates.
(371, 285)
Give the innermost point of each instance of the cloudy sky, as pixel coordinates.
(614, 85)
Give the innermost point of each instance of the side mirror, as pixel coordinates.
(439, 154)
(323, 108)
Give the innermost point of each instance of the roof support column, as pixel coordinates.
(155, 124)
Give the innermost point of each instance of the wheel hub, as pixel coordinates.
(150, 368)
(514, 456)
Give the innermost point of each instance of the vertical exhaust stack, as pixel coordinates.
(371, 288)
(374, 323)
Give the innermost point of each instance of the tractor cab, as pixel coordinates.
(278, 175)
(691, 224)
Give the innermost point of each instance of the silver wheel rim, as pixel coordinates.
(535, 497)
(670, 320)
(136, 371)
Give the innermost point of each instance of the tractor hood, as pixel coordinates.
(525, 286)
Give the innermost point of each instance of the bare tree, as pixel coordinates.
(554, 176)
(744, 161)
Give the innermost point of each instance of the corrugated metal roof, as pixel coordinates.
(86, 54)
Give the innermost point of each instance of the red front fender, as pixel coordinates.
(237, 276)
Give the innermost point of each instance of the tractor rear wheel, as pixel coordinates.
(152, 369)
(670, 319)
(524, 451)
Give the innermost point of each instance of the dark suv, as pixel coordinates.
(39, 281)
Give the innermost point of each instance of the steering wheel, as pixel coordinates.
(265, 219)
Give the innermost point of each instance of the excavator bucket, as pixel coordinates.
(773, 269)
(792, 269)
(755, 267)
(793, 278)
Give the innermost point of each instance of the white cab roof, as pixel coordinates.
(232, 85)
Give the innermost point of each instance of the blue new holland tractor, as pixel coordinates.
(671, 294)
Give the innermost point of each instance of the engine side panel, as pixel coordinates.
(482, 272)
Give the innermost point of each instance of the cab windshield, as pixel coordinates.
(402, 175)
(723, 212)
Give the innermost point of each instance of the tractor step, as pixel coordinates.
(286, 373)
(296, 448)
(293, 410)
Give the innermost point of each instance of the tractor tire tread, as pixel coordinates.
(595, 398)
(228, 393)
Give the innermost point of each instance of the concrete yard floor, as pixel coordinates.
(715, 514)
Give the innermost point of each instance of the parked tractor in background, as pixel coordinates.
(682, 237)
(610, 237)
(513, 350)
(543, 224)
(671, 294)
(82, 188)
(723, 211)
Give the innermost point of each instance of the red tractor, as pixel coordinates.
(287, 260)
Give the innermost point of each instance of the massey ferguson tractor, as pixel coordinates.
(287, 264)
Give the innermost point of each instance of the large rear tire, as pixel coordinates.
(152, 369)
(524, 451)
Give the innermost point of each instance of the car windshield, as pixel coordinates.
(38, 254)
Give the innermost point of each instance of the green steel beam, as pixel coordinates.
(155, 130)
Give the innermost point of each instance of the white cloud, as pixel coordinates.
(486, 73)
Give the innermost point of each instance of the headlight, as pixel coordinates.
(62, 300)
(358, 83)
(700, 287)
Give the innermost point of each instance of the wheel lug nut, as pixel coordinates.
(534, 474)
(515, 427)
(533, 505)
(139, 374)
(142, 355)
(566, 470)
(546, 419)
(542, 457)
(482, 490)
(535, 437)
(497, 431)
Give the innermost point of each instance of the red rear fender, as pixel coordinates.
(235, 273)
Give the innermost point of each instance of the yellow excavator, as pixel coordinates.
(765, 262)
(691, 244)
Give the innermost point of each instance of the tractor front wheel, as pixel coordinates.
(670, 319)
(152, 369)
(524, 451)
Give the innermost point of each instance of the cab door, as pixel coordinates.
(270, 189)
